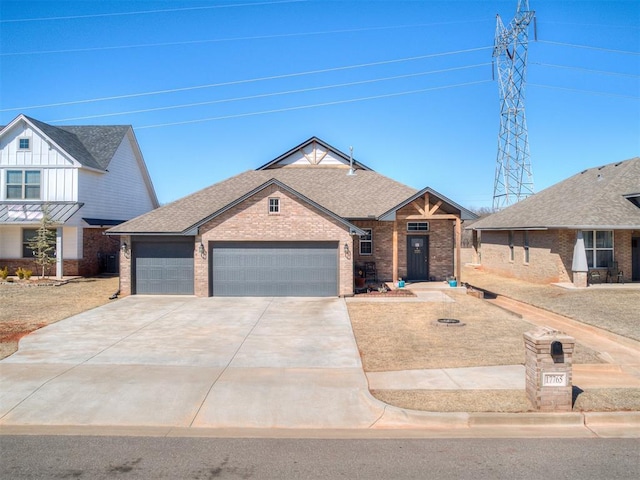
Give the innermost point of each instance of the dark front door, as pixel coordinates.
(418, 258)
(635, 259)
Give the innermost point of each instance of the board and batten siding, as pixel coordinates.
(59, 177)
(41, 154)
(121, 193)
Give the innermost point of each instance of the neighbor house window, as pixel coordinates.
(599, 247)
(525, 244)
(23, 185)
(366, 242)
(511, 252)
(274, 205)
(24, 144)
(27, 235)
(417, 226)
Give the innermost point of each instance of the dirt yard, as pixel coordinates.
(27, 308)
(404, 336)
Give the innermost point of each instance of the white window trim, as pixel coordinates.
(596, 249)
(23, 196)
(274, 208)
(24, 149)
(369, 242)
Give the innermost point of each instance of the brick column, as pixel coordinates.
(548, 374)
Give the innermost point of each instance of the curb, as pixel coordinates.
(526, 419)
(627, 419)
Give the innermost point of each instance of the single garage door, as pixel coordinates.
(274, 269)
(163, 267)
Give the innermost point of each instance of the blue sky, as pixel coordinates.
(214, 88)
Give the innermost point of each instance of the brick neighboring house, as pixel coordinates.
(583, 229)
(297, 226)
(88, 178)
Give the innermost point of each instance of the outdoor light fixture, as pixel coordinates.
(126, 251)
(346, 248)
(201, 250)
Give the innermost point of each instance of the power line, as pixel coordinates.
(238, 82)
(625, 52)
(232, 39)
(588, 70)
(144, 12)
(273, 94)
(590, 92)
(302, 107)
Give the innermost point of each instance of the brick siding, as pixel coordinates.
(297, 221)
(441, 246)
(550, 254)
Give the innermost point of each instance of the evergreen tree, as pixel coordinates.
(43, 244)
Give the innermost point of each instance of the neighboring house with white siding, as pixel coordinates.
(88, 178)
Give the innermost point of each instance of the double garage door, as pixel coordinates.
(239, 268)
(274, 269)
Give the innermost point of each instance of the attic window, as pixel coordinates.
(24, 143)
(274, 205)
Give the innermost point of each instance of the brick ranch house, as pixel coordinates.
(87, 178)
(583, 229)
(297, 226)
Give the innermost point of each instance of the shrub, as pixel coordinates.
(27, 274)
(4, 273)
(20, 273)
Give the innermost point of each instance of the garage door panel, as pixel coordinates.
(163, 267)
(275, 269)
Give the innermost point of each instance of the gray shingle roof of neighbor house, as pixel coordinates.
(365, 195)
(93, 145)
(596, 198)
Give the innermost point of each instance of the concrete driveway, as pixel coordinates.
(192, 362)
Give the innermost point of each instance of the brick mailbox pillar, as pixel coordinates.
(548, 359)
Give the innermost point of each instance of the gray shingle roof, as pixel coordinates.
(93, 146)
(592, 199)
(367, 194)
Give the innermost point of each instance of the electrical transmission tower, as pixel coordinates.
(514, 180)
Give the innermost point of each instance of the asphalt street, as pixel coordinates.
(82, 457)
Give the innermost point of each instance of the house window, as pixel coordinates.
(27, 235)
(274, 205)
(366, 242)
(599, 247)
(23, 185)
(525, 243)
(24, 144)
(417, 226)
(511, 252)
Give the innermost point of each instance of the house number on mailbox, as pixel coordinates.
(554, 379)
